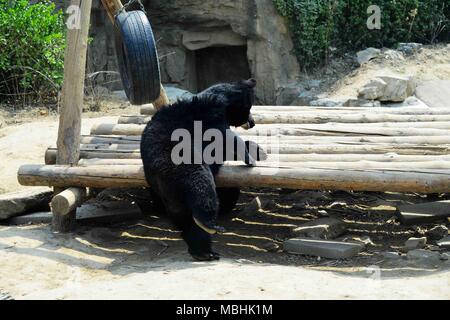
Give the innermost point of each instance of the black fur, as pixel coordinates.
(188, 191)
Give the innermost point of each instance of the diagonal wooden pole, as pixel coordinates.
(69, 133)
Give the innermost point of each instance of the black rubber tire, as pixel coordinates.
(137, 57)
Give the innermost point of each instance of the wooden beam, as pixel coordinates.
(427, 140)
(50, 156)
(396, 180)
(265, 117)
(407, 129)
(68, 201)
(335, 111)
(72, 103)
(331, 148)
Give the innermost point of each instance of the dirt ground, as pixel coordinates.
(146, 259)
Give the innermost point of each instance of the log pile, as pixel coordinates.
(403, 149)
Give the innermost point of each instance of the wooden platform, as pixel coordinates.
(404, 149)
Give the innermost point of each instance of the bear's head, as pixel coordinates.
(238, 98)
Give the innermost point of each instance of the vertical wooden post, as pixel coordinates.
(72, 103)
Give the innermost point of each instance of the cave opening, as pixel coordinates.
(213, 65)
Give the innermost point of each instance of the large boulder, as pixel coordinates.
(388, 88)
(398, 88)
(435, 94)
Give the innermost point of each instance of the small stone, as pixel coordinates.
(394, 55)
(366, 55)
(391, 255)
(421, 254)
(322, 248)
(415, 243)
(271, 246)
(444, 243)
(323, 228)
(409, 48)
(361, 103)
(445, 256)
(255, 205)
(437, 232)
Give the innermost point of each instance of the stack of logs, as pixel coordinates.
(404, 149)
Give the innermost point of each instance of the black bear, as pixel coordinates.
(187, 189)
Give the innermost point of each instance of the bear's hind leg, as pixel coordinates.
(199, 242)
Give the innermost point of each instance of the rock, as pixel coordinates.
(394, 55)
(329, 102)
(373, 90)
(437, 232)
(255, 205)
(304, 98)
(366, 55)
(271, 246)
(361, 103)
(323, 228)
(365, 240)
(435, 94)
(398, 88)
(109, 212)
(322, 248)
(288, 94)
(391, 255)
(423, 212)
(421, 254)
(34, 218)
(26, 201)
(415, 243)
(409, 48)
(445, 256)
(444, 243)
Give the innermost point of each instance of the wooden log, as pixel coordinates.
(362, 164)
(428, 140)
(336, 111)
(72, 103)
(422, 181)
(312, 148)
(302, 118)
(110, 139)
(50, 156)
(292, 130)
(68, 201)
(133, 119)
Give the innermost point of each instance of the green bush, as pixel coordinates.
(318, 26)
(32, 43)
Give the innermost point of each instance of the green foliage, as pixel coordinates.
(32, 43)
(317, 26)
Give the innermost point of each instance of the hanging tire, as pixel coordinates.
(137, 57)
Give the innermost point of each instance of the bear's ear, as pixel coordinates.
(251, 83)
